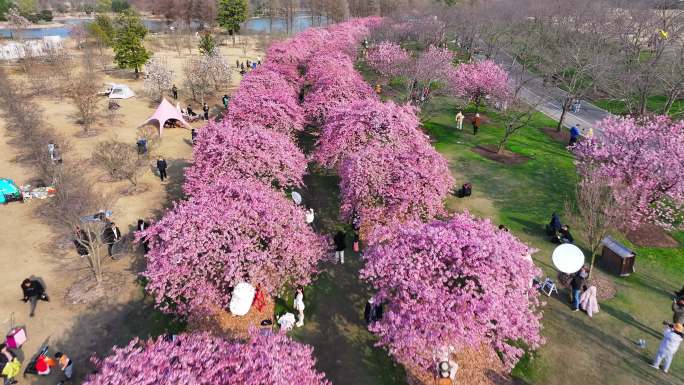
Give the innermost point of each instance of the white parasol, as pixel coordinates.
(568, 258)
(297, 198)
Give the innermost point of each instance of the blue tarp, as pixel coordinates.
(8, 187)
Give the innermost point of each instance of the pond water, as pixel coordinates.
(254, 25)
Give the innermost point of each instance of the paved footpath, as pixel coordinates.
(549, 99)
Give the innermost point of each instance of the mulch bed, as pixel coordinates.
(649, 235)
(224, 324)
(505, 157)
(476, 367)
(563, 136)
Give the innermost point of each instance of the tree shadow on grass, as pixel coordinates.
(629, 320)
(104, 326)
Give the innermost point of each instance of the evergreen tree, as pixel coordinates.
(232, 13)
(129, 33)
(5, 5)
(207, 44)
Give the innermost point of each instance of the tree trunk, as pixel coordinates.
(137, 73)
(564, 111)
(671, 97)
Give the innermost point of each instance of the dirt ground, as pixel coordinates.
(31, 248)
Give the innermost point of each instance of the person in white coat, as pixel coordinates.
(668, 347)
(588, 301)
(299, 306)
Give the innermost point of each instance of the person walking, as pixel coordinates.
(65, 365)
(205, 108)
(476, 123)
(678, 311)
(111, 235)
(340, 245)
(459, 120)
(574, 134)
(672, 338)
(373, 311)
(576, 284)
(33, 291)
(237, 64)
(299, 306)
(161, 167)
(225, 100)
(174, 92)
(142, 226)
(193, 136)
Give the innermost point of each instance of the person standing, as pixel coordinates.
(476, 123)
(142, 226)
(193, 136)
(299, 306)
(82, 242)
(672, 338)
(111, 235)
(576, 284)
(33, 291)
(574, 134)
(340, 245)
(225, 100)
(51, 150)
(205, 108)
(174, 91)
(161, 167)
(678, 311)
(65, 364)
(459, 120)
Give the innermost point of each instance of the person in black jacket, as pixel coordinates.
(577, 284)
(111, 235)
(373, 311)
(142, 226)
(205, 108)
(340, 245)
(82, 242)
(33, 291)
(161, 166)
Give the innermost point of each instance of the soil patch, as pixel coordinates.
(563, 136)
(649, 235)
(476, 367)
(224, 324)
(504, 156)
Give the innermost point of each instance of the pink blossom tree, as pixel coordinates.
(276, 109)
(334, 82)
(389, 60)
(203, 359)
(229, 232)
(223, 151)
(352, 126)
(643, 163)
(478, 81)
(434, 65)
(386, 185)
(460, 283)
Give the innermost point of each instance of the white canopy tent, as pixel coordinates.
(121, 91)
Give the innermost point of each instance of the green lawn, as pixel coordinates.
(653, 104)
(579, 349)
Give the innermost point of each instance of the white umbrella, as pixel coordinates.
(296, 198)
(568, 258)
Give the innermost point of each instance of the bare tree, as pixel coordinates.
(594, 214)
(83, 91)
(120, 160)
(671, 78)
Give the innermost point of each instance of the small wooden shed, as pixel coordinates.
(616, 257)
